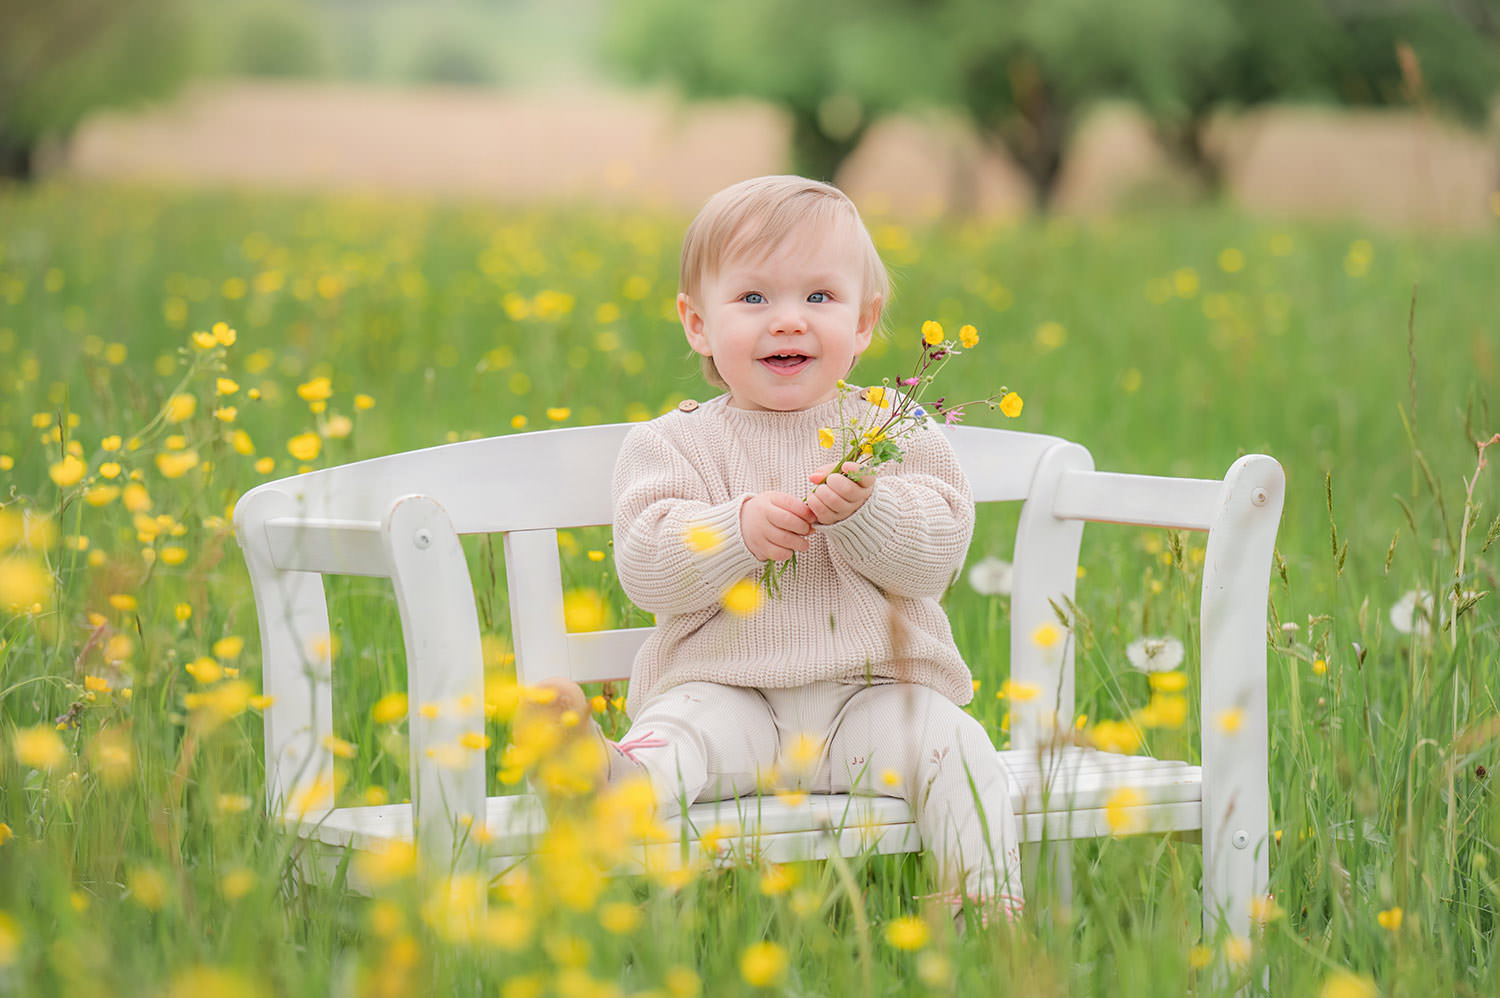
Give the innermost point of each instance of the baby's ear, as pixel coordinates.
(869, 319)
(692, 324)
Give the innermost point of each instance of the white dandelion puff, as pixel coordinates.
(1154, 654)
(991, 576)
(1412, 613)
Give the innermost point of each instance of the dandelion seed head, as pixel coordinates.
(991, 576)
(1155, 654)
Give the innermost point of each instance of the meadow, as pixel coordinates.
(161, 352)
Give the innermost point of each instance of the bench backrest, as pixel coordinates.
(400, 516)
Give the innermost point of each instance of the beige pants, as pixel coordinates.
(703, 741)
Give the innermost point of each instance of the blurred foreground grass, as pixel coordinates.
(160, 353)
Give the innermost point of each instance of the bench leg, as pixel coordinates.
(1235, 871)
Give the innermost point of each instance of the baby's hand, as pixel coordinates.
(775, 525)
(839, 494)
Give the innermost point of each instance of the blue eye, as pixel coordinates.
(818, 297)
(753, 298)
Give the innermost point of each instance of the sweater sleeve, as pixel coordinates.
(676, 550)
(910, 537)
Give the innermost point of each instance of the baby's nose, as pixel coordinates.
(789, 320)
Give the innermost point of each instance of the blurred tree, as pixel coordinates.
(1024, 71)
(276, 38)
(453, 57)
(1432, 54)
(820, 62)
(60, 59)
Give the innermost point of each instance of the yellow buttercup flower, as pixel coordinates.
(1018, 692)
(236, 884)
(584, 610)
(205, 670)
(304, 446)
(825, 437)
(968, 336)
(1390, 918)
(1167, 682)
(181, 407)
(1046, 636)
(233, 803)
(148, 888)
(67, 472)
(743, 598)
(907, 933)
(932, 333)
(175, 464)
(1120, 811)
(229, 646)
(1115, 736)
(319, 389)
(619, 917)
(702, 538)
(1237, 951)
(226, 386)
(1342, 984)
(136, 498)
(763, 964)
(339, 747)
(1011, 404)
(559, 413)
(1264, 909)
(879, 396)
(39, 747)
(389, 709)
(223, 335)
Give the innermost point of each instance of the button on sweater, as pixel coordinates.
(861, 604)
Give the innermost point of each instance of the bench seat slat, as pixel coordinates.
(1073, 806)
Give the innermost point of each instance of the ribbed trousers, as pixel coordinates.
(703, 741)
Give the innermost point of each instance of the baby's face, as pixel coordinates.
(783, 328)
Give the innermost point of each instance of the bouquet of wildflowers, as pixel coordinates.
(871, 444)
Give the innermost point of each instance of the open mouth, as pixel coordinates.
(786, 363)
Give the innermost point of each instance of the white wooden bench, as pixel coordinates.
(400, 517)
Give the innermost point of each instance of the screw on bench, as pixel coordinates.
(422, 539)
(1241, 838)
(1258, 497)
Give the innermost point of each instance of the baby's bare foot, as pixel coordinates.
(556, 742)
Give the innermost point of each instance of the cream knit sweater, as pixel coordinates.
(862, 603)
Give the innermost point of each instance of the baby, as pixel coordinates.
(848, 679)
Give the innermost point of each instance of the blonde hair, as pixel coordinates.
(753, 217)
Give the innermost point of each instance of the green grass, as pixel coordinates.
(1140, 337)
